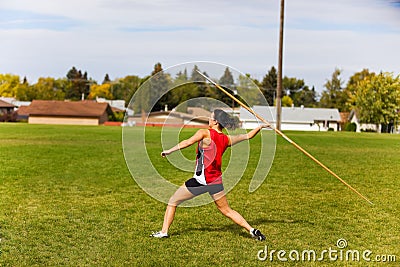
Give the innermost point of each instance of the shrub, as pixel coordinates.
(368, 130)
(8, 117)
(350, 127)
(117, 116)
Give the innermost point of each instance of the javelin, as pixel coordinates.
(285, 137)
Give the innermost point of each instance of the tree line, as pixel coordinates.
(375, 97)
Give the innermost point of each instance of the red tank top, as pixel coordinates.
(209, 159)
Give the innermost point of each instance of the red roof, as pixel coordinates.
(23, 111)
(68, 108)
(4, 104)
(344, 116)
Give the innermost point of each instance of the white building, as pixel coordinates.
(119, 104)
(365, 127)
(353, 118)
(15, 102)
(294, 118)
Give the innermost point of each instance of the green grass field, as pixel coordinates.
(67, 198)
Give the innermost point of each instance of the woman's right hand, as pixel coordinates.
(265, 125)
(165, 153)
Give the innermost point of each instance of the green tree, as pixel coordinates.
(287, 101)
(25, 92)
(248, 90)
(180, 79)
(141, 99)
(376, 99)
(44, 89)
(305, 97)
(227, 78)
(100, 90)
(9, 84)
(202, 87)
(195, 76)
(125, 88)
(79, 84)
(292, 86)
(299, 92)
(228, 83)
(353, 84)
(334, 95)
(269, 84)
(47, 89)
(159, 85)
(106, 79)
(183, 91)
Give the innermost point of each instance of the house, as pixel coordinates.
(15, 102)
(6, 111)
(353, 118)
(68, 112)
(294, 118)
(20, 107)
(370, 127)
(119, 104)
(198, 112)
(23, 113)
(195, 117)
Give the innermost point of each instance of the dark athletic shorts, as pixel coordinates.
(197, 188)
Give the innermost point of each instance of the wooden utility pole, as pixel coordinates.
(280, 60)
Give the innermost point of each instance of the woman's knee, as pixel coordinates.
(174, 201)
(180, 196)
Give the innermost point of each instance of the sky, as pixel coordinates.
(45, 38)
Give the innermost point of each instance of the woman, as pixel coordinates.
(212, 143)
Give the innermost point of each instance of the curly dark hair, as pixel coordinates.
(225, 120)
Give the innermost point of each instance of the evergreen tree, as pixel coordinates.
(248, 91)
(79, 84)
(292, 86)
(334, 96)
(227, 82)
(305, 97)
(200, 82)
(159, 85)
(106, 79)
(183, 91)
(269, 84)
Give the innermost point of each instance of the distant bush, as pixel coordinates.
(350, 127)
(117, 116)
(368, 130)
(8, 117)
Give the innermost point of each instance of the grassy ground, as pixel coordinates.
(67, 198)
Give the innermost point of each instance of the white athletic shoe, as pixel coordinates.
(255, 233)
(159, 235)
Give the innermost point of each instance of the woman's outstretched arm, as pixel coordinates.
(199, 135)
(234, 139)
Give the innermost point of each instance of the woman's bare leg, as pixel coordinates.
(177, 198)
(223, 206)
